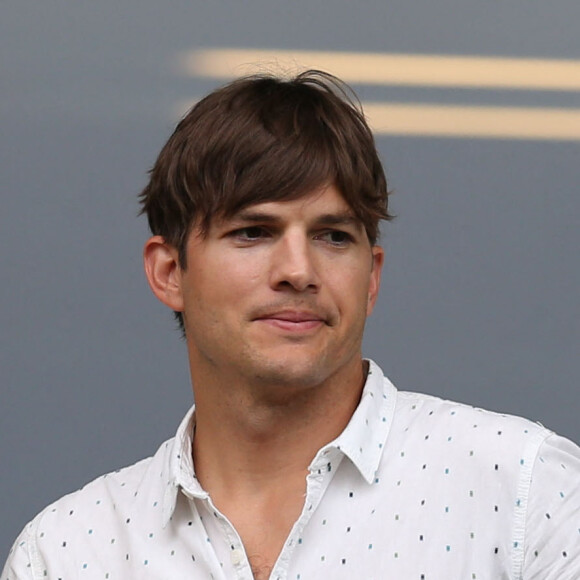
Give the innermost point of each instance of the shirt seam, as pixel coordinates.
(36, 563)
(527, 463)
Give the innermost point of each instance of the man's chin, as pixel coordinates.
(299, 373)
(295, 371)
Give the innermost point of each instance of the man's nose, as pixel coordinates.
(293, 264)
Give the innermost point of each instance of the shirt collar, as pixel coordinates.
(362, 441)
(179, 467)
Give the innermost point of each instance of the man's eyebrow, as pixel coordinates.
(254, 216)
(342, 218)
(345, 218)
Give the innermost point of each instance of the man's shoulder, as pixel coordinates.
(108, 496)
(414, 412)
(458, 428)
(95, 517)
(445, 411)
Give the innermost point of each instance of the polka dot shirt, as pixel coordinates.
(415, 488)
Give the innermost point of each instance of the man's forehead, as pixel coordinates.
(319, 204)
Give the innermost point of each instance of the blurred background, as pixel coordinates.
(476, 106)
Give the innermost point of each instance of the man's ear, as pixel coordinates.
(163, 272)
(375, 277)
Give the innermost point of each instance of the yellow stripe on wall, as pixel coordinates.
(427, 120)
(480, 122)
(392, 69)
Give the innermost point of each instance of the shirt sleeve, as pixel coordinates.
(552, 545)
(20, 565)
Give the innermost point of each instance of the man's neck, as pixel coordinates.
(251, 453)
(248, 444)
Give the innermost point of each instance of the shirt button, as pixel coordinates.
(237, 556)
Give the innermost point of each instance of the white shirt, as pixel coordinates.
(415, 488)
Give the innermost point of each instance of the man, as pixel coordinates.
(300, 459)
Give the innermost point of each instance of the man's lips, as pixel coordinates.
(293, 320)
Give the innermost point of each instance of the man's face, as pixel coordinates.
(279, 293)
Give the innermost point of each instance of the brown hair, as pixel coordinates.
(261, 139)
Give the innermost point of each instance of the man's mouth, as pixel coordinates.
(292, 320)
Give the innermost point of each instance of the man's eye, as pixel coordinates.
(251, 233)
(336, 237)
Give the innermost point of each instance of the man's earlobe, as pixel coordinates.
(378, 256)
(163, 272)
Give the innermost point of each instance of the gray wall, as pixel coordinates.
(480, 294)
